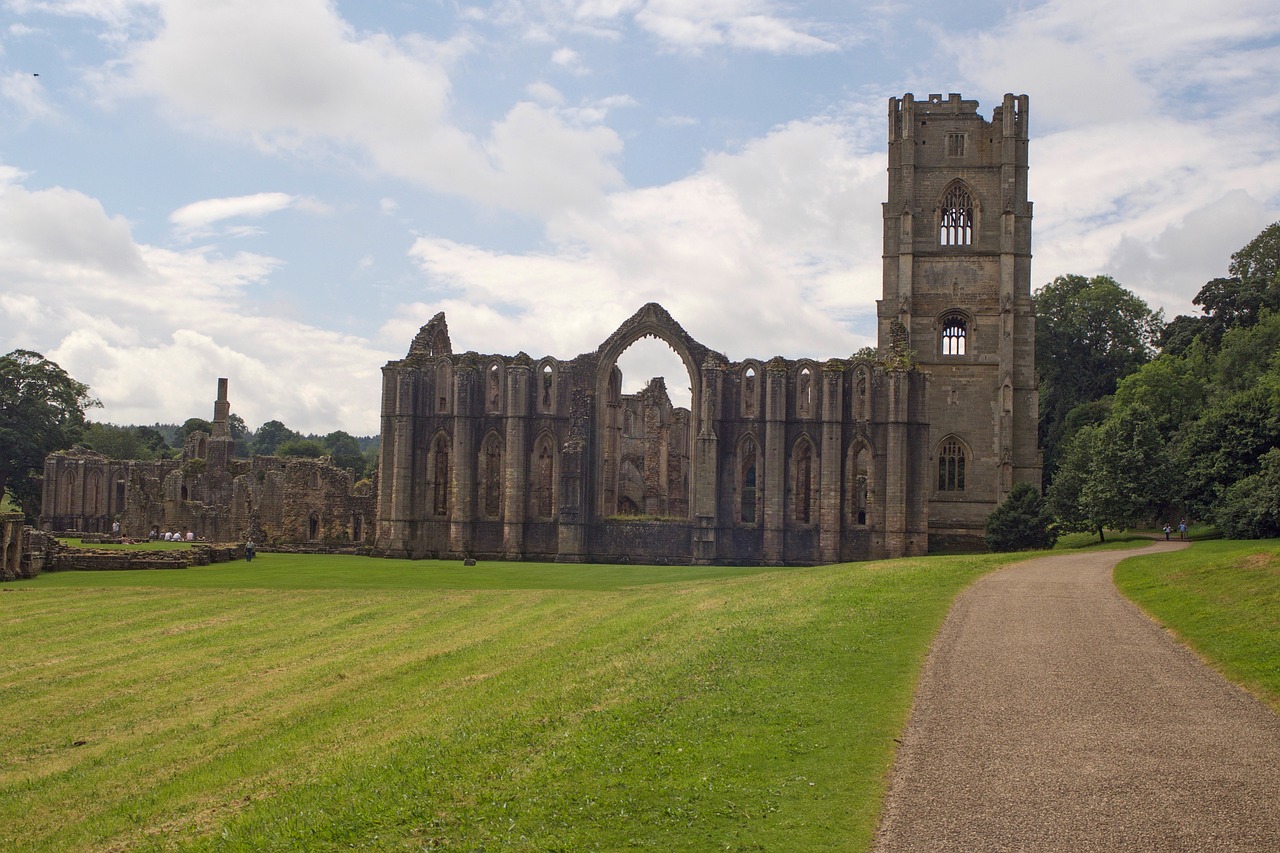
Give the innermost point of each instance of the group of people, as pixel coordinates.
(173, 535)
(1182, 529)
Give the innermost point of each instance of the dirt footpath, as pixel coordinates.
(1053, 715)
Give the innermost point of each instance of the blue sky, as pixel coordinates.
(282, 191)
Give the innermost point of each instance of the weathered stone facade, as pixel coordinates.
(778, 461)
(220, 498)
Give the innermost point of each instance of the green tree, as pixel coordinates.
(1090, 334)
(345, 451)
(308, 448)
(1116, 474)
(189, 426)
(42, 409)
(1250, 507)
(1023, 522)
(1226, 444)
(270, 436)
(1065, 495)
(153, 440)
(1131, 475)
(1238, 299)
(115, 442)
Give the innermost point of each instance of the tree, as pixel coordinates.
(1115, 474)
(270, 436)
(1131, 476)
(1251, 286)
(1065, 495)
(1226, 444)
(307, 448)
(1090, 334)
(1023, 522)
(345, 450)
(41, 410)
(191, 425)
(1250, 507)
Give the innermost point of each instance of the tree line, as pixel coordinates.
(1144, 422)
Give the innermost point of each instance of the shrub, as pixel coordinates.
(1021, 523)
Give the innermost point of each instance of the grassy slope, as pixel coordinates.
(303, 703)
(1223, 599)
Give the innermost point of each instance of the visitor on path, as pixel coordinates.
(1182, 529)
(1168, 528)
(248, 551)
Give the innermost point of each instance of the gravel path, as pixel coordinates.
(1053, 715)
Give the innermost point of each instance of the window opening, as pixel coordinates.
(956, 228)
(953, 335)
(440, 481)
(543, 483)
(492, 477)
(955, 144)
(804, 481)
(951, 467)
(748, 467)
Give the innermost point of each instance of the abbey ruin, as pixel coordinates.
(777, 461)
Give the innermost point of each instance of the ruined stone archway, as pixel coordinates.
(651, 321)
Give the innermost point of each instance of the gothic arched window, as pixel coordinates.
(440, 477)
(951, 462)
(804, 482)
(491, 477)
(956, 225)
(747, 486)
(543, 479)
(954, 332)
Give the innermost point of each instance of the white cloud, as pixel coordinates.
(292, 75)
(768, 251)
(151, 329)
(201, 214)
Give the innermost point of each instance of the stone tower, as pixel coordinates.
(957, 276)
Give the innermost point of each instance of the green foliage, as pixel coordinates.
(1226, 444)
(1090, 334)
(1022, 523)
(42, 409)
(345, 451)
(1223, 599)
(1212, 398)
(307, 448)
(270, 436)
(122, 442)
(1250, 507)
(324, 703)
(191, 425)
(1114, 475)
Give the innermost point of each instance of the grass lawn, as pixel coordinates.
(318, 703)
(1223, 599)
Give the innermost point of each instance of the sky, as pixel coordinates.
(282, 192)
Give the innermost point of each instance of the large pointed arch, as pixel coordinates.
(544, 469)
(650, 321)
(489, 476)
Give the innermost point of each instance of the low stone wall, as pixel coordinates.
(314, 548)
(65, 558)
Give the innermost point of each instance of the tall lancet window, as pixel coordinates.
(956, 227)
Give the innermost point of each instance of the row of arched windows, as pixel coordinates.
(806, 396)
(491, 477)
(952, 457)
(542, 390)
